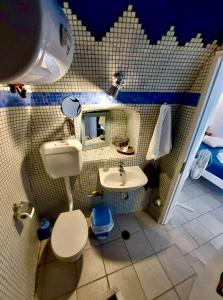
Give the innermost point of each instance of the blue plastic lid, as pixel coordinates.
(44, 224)
(101, 216)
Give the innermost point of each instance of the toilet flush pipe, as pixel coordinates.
(69, 193)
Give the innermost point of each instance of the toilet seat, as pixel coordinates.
(69, 236)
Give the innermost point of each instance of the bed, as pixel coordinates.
(214, 172)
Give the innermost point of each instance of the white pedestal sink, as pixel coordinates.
(111, 179)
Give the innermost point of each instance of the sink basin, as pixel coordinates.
(111, 179)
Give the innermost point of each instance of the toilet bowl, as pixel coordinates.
(70, 232)
(69, 236)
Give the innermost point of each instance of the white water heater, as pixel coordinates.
(36, 42)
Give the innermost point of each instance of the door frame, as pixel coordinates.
(208, 101)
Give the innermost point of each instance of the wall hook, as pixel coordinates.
(19, 88)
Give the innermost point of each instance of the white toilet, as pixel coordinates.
(70, 232)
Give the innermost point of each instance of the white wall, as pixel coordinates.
(216, 123)
(18, 247)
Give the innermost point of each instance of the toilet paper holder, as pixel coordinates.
(23, 210)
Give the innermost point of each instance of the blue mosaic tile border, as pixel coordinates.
(8, 99)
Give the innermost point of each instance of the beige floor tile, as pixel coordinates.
(138, 246)
(128, 222)
(217, 242)
(207, 185)
(189, 215)
(58, 278)
(39, 282)
(94, 291)
(188, 181)
(69, 296)
(42, 252)
(183, 196)
(171, 295)
(218, 214)
(185, 288)
(127, 282)
(204, 203)
(50, 255)
(88, 220)
(176, 220)
(175, 265)
(197, 230)
(211, 224)
(144, 220)
(90, 242)
(194, 190)
(93, 242)
(159, 238)
(90, 267)
(115, 256)
(89, 245)
(152, 277)
(194, 262)
(183, 240)
(205, 253)
(217, 194)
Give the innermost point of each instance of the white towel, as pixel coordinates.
(220, 156)
(161, 142)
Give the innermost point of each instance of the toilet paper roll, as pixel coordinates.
(24, 215)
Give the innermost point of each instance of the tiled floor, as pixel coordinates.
(157, 262)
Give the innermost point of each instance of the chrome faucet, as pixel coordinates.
(122, 173)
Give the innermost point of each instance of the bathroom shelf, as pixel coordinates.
(108, 152)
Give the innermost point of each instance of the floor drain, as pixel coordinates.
(126, 235)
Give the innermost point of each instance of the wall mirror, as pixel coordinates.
(71, 107)
(95, 129)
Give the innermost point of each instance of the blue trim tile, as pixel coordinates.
(8, 99)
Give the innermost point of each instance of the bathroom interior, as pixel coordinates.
(100, 103)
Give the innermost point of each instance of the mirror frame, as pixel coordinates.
(107, 134)
(62, 109)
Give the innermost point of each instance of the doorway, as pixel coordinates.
(210, 97)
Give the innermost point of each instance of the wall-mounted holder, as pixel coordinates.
(157, 202)
(117, 84)
(96, 193)
(23, 210)
(19, 88)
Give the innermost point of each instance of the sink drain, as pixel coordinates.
(126, 235)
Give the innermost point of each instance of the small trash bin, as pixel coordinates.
(101, 222)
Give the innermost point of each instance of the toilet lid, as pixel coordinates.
(70, 234)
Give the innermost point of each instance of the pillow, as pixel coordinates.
(213, 141)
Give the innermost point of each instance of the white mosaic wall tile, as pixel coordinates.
(199, 82)
(164, 66)
(4, 87)
(118, 121)
(18, 251)
(202, 75)
(49, 195)
(169, 163)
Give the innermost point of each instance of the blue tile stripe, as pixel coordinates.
(159, 98)
(8, 99)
